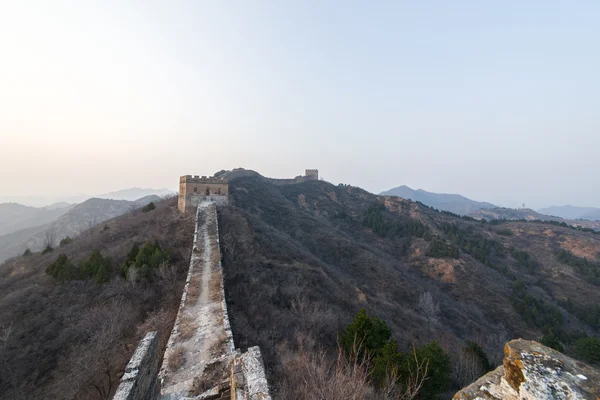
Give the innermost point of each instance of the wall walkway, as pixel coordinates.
(200, 361)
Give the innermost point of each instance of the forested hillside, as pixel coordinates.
(302, 260)
(71, 318)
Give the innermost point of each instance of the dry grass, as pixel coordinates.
(187, 327)
(176, 359)
(215, 285)
(219, 347)
(194, 289)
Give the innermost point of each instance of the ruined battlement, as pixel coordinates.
(201, 179)
(312, 173)
(195, 188)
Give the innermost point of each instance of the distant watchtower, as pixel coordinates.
(193, 189)
(312, 174)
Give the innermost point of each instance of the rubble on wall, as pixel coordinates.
(534, 371)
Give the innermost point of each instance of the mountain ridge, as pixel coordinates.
(80, 217)
(455, 203)
(572, 212)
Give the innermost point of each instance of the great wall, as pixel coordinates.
(201, 361)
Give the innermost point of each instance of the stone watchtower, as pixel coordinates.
(193, 189)
(312, 174)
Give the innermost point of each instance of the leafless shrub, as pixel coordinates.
(466, 368)
(176, 358)
(132, 277)
(429, 308)
(94, 362)
(91, 225)
(50, 236)
(313, 375)
(5, 334)
(312, 314)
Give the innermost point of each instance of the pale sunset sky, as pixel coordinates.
(497, 101)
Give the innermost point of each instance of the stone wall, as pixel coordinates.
(194, 188)
(140, 379)
(248, 379)
(200, 361)
(533, 371)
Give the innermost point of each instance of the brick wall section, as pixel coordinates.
(140, 379)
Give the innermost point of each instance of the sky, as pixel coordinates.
(497, 101)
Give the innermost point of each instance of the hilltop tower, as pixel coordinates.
(312, 174)
(193, 188)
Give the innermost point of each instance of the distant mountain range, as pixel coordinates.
(131, 194)
(76, 219)
(573, 212)
(136, 193)
(447, 202)
(529, 215)
(14, 217)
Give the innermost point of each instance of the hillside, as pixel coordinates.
(573, 212)
(77, 219)
(454, 203)
(15, 217)
(501, 213)
(301, 260)
(70, 338)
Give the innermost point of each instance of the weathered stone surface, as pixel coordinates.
(139, 380)
(248, 378)
(534, 371)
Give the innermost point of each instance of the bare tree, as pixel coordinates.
(467, 368)
(50, 236)
(91, 224)
(313, 375)
(429, 308)
(5, 334)
(94, 362)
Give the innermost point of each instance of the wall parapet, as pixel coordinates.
(248, 378)
(141, 374)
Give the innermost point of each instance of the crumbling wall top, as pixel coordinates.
(201, 179)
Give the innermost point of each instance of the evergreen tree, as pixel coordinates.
(588, 349)
(439, 370)
(366, 335)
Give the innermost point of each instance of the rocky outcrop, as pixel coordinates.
(534, 371)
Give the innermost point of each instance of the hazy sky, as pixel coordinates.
(499, 102)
